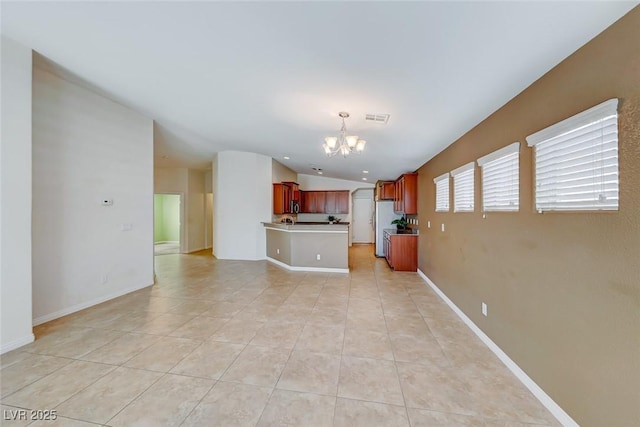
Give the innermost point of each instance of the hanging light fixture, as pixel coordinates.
(343, 143)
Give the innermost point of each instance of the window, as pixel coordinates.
(442, 193)
(500, 179)
(577, 161)
(463, 188)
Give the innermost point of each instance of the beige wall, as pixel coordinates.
(299, 249)
(563, 289)
(280, 172)
(196, 213)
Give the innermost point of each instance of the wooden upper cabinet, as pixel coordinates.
(342, 202)
(388, 190)
(295, 190)
(312, 201)
(329, 202)
(406, 194)
(318, 199)
(281, 199)
(385, 190)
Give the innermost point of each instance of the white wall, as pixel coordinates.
(15, 196)
(87, 148)
(242, 193)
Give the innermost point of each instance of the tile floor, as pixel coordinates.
(241, 343)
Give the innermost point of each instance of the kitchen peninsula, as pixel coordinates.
(309, 246)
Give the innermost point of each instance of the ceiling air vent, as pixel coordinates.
(377, 118)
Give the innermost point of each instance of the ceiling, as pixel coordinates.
(270, 77)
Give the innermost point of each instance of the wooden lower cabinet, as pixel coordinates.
(401, 251)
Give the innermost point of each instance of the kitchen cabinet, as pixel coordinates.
(285, 198)
(336, 202)
(406, 194)
(281, 199)
(329, 202)
(401, 250)
(295, 190)
(342, 202)
(386, 190)
(313, 202)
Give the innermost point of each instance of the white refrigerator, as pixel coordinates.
(384, 216)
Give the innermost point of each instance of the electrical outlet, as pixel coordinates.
(278, 251)
(318, 257)
(104, 279)
(442, 227)
(428, 224)
(484, 308)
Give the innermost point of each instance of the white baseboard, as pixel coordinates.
(318, 269)
(534, 388)
(81, 306)
(166, 241)
(17, 343)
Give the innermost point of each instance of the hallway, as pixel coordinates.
(248, 343)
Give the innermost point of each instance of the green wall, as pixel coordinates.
(166, 211)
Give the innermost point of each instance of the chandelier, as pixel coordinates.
(343, 143)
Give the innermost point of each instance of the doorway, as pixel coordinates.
(167, 224)
(363, 216)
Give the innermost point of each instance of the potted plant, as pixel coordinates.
(401, 223)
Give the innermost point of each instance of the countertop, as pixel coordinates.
(310, 226)
(394, 232)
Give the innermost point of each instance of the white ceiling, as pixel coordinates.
(271, 77)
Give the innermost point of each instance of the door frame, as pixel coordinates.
(371, 219)
(182, 216)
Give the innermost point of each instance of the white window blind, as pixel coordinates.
(463, 188)
(577, 161)
(500, 179)
(442, 193)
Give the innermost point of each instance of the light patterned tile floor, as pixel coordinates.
(234, 343)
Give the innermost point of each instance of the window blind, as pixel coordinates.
(577, 161)
(442, 193)
(463, 189)
(501, 180)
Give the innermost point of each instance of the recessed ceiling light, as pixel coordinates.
(287, 157)
(364, 179)
(365, 171)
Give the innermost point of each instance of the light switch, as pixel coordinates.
(442, 227)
